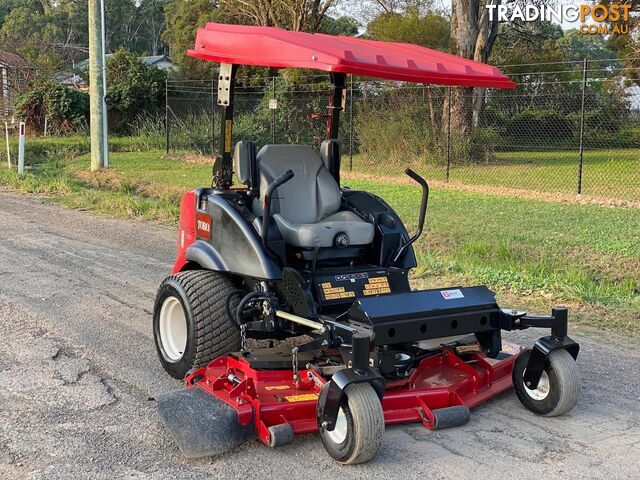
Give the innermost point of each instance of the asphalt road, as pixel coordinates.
(78, 373)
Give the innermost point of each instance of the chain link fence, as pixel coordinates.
(568, 128)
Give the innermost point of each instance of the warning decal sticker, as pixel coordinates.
(277, 387)
(451, 294)
(301, 398)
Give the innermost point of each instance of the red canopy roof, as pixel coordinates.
(277, 48)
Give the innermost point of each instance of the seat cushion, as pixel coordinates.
(323, 232)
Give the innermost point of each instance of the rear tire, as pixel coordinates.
(190, 326)
(559, 386)
(359, 429)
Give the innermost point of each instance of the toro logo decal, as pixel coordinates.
(450, 294)
(203, 225)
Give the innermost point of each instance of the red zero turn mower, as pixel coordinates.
(291, 253)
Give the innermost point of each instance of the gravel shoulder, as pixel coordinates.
(78, 373)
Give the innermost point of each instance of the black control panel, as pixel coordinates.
(345, 287)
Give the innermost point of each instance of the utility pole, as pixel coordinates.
(105, 124)
(97, 105)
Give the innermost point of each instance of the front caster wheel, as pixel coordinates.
(559, 385)
(358, 433)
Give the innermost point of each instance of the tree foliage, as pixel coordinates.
(65, 110)
(343, 25)
(132, 88)
(297, 15)
(183, 18)
(51, 34)
(429, 29)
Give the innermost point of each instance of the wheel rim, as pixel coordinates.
(543, 389)
(173, 328)
(339, 433)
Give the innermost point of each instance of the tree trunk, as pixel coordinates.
(464, 33)
(461, 109)
(477, 105)
(472, 36)
(487, 34)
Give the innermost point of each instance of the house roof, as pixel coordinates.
(12, 60)
(83, 66)
(277, 48)
(153, 59)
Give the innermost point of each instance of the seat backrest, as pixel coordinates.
(311, 195)
(330, 155)
(244, 164)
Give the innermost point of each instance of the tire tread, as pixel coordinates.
(570, 381)
(207, 293)
(368, 418)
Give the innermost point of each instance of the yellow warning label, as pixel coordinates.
(227, 135)
(301, 398)
(326, 285)
(376, 291)
(336, 296)
(378, 280)
(334, 290)
(277, 387)
(375, 285)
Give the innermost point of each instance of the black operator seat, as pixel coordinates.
(306, 209)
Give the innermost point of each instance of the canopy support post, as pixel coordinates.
(337, 103)
(222, 167)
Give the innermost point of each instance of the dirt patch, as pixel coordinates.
(155, 190)
(110, 179)
(197, 159)
(502, 191)
(107, 178)
(616, 268)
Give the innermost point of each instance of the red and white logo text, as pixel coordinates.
(203, 225)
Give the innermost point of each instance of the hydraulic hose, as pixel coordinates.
(227, 304)
(249, 298)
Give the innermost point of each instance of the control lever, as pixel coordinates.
(423, 212)
(266, 211)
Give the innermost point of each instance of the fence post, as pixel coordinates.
(23, 133)
(166, 113)
(448, 134)
(273, 110)
(213, 118)
(584, 88)
(350, 122)
(6, 134)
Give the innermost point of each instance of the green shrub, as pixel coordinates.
(133, 88)
(65, 110)
(482, 146)
(477, 147)
(545, 124)
(400, 134)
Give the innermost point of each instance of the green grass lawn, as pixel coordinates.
(533, 253)
(609, 173)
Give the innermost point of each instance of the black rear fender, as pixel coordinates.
(233, 245)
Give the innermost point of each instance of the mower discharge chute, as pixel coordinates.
(291, 253)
